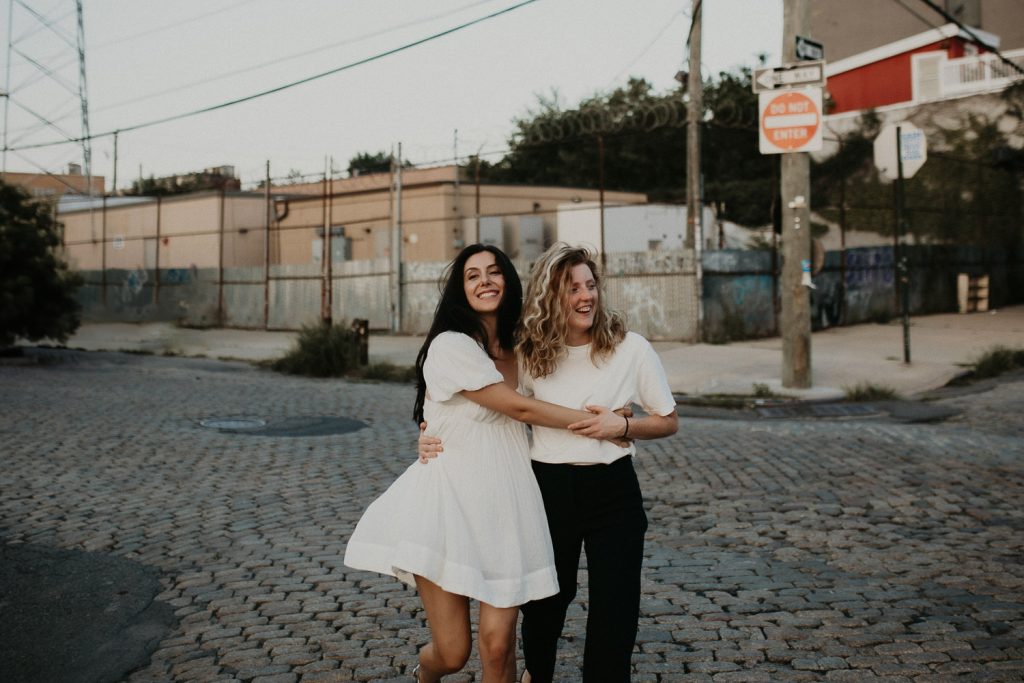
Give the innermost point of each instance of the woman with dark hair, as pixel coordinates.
(471, 525)
(575, 351)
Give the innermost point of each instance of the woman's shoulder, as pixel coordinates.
(455, 342)
(634, 340)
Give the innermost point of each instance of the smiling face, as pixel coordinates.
(484, 283)
(583, 301)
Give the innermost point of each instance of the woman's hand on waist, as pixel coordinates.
(428, 447)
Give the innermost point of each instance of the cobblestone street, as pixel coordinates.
(779, 550)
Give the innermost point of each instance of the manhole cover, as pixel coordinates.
(233, 423)
(311, 425)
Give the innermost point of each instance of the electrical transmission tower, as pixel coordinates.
(45, 88)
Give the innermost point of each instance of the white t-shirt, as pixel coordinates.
(631, 374)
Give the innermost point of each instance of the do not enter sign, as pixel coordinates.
(790, 121)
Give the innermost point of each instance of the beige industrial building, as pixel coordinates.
(55, 185)
(439, 212)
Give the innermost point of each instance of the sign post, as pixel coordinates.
(900, 150)
(789, 76)
(809, 49)
(790, 124)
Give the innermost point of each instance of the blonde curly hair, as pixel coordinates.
(543, 329)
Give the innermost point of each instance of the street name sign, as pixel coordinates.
(809, 49)
(790, 121)
(913, 149)
(789, 76)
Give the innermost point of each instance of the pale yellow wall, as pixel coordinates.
(83, 234)
(53, 185)
(188, 234)
(244, 238)
(432, 230)
(190, 225)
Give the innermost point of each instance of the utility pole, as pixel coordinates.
(795, 187)
(694, 107)
(396, 246)
(113, 185)
(84, 102)
(694, 196)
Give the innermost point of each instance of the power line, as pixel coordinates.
(666, 27)
(974, 37)
(150, 31)
(924, 20)
(286, 86)
(277, 60)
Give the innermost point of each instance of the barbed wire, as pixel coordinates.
(602, 120)
(608, 120)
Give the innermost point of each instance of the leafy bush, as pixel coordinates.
(322, 350)
(996, 361)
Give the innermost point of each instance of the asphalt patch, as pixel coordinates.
(69, 616)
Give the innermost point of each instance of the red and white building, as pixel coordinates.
(941, 65)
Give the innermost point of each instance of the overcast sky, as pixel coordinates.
(148, 59)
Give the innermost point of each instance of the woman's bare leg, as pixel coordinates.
(451, 640)
(498, 643)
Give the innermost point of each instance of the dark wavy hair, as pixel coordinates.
(454, 314)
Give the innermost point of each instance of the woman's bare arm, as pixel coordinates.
(502, 398)
(647, 427)
(429, 447)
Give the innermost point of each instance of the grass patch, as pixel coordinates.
(386, 372)
(866, 391)
(763, 391)
(996, 361)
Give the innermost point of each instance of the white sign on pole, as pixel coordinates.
(801, 74)
(913, 149)
(118, 242)
(790, 121)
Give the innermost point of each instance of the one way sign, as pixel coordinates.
(789, 76)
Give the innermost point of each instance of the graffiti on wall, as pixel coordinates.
(870, 280)
(178, 276)
(131, 286)
(869, 267)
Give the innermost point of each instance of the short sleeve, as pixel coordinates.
(457, 363)
(653, 391)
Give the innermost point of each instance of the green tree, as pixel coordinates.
(643, 133)
(36, 288)
(365, 163)
(968, 192)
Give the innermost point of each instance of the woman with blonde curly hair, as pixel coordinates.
(577, 353)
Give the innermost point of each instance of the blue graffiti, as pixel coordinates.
(176, 276)
(868, 267)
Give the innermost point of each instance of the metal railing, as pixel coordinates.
(978, 73)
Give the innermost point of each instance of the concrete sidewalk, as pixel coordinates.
(941, 347)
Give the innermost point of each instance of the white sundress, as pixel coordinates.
(471, 520)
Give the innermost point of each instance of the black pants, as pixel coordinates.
(600, 508)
